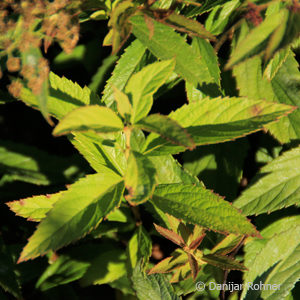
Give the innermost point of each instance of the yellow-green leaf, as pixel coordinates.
(93, 117)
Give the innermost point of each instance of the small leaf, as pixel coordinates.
(93, 117)
(139, 178)
(178, 259)
(227, 245)
(170, 235)
(196, 237)
(173, 223)
(196, 242)
(190, 26)
(78, 211)
(223, 262)
(168, 129)
(142, 85)
(123, 103)
(182, 273)
(120, 27)
(193, 265)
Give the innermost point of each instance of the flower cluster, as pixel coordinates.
(27, 25)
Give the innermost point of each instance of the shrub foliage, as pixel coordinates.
(191, 131)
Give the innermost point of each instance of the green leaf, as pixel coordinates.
(275, 187)
(190, 26)
(250, 82)
(142, 85)
(286, 274)
(93, 117)
(220, 16)
(137, 139)
(218, 120)
(209, 57)
(227, 245)
(285, 34)
(123, 104)
(204, 49)
(256, 39)
(154, 286)
(282, 246)
(78, 211)
(102, 154)
(125, 67)
(168, 129)
(120, 27)
(98, 77)
(184, 272)
(108, 266)
(275, 63)
(197, 205)
(32, 165)
(64, 270)
(34, 208)
(254, 245)
(122, 215)
(204, 7)
(139, 248)
(166, 44)
(178, 259)
(64, 96)
(193, 94)
(139, 178)
(223, 262)
(285, 85)
(283, 89)
(168, 170)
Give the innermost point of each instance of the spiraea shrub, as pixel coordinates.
(162, 158)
